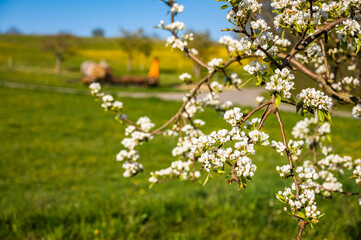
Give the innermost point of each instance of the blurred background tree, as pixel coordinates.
(98, 32)
(135, 42)
(61, 46)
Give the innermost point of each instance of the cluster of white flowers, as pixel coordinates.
(136, 136)
(175, 26)
(178, 169)
(192, 107)
(256, 68)
(305, 173)
(132, 168)
(125, 155)
(284, 170)
(314, 51)
(245, 168)
(349, 27)
(297, 13)
(350, 82)
(327, 168)
(242, 45)
(330, 183)
(279, 146)
(216, 86)
(95, 88)
(176, 43)
(295, 148)
(357, 174)
(107, 101)
(235, 79)
(214, 157)
(248, 7)
(281, 82)
(356, 111)
(188, 37)
(233, 116)
(257, 136)
(290, 17)
(184, 145)
(177, 8)
(336, 163)
(305, 130)
(259, 26)
(315, 99)
(145, 124)
(272, 43)
(305, 202)
(214, 63)
(252, 124)
(185, 77)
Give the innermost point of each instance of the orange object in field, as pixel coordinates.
(154, 69)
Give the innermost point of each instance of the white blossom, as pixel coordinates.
(356, 111)
(315, 98)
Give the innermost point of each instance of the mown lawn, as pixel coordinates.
(59, 179)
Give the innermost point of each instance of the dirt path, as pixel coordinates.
(245, 97)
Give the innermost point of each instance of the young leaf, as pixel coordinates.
(328, 116)
(301, 215)
(278, 100)
(207, 178)
(357, 44)
(321, 116)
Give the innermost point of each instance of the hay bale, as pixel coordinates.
(93, 72)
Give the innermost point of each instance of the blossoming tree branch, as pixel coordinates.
(326, 38)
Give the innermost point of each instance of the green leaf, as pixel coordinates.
(278, 100)
(224, 6)
(207, 178)
(304, 111)
(328, 116)
(281, 198)
(321, 116)
(258, 80)
(358, 45)
(301, 215)
(219, 171)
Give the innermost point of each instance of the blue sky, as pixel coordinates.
(80, 17)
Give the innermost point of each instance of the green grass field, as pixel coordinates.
(59, 179)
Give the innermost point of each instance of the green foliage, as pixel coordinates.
(133, 42)
(61, 45)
